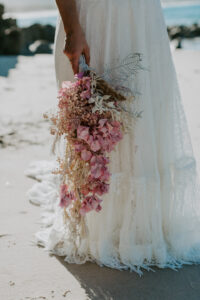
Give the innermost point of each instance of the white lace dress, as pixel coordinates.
(151, 215)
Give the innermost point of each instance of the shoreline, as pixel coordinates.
(31, 14)
(177, 3)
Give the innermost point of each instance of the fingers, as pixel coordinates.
(75, 64)
(86, 53)
(74, 60)
(74, 55)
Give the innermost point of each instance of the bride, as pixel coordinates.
(151, 215)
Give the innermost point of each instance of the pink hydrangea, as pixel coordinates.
(99, 188)
(67, 84)
(79, 146)
(85, 83)
(85, 190)
(111, 134)
(90, 203)
(86, 155)
(85, 94)
(83, 133)
(66, 197)
(99, 169)
(79, 75)
(94, 144)
(95, 186)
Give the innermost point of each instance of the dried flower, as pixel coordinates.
(66, 197)
(88, 118)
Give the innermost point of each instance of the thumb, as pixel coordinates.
(86, 53)
(75, 65)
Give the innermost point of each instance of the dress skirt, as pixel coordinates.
(151, 215)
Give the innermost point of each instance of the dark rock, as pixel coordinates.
(11, 41)
(36, 32)
(31, 34)
(15, 40)
(195, 30)
(40, 46)
(7, 23)
(179, 43)
(10, 36)
(176, 32)
(49, 33)
(2, 10)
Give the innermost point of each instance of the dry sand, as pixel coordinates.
(27, 271)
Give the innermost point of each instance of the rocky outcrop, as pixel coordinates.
(40, 46)
(15, 40)
(177, 32)
(37, 32)
(9, 35)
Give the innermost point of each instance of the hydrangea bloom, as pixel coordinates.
(66, 197)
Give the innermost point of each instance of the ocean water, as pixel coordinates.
(177, 13)
(186, 14)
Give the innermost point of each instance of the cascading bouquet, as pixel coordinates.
(92, 120)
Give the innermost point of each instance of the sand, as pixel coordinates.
(27, 271)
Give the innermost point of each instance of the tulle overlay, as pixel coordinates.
(151, 215)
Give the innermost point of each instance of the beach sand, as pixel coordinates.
(27, 271)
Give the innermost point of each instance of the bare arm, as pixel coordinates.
(76, 43)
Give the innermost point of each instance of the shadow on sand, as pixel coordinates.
(110, 284)
(7, 63)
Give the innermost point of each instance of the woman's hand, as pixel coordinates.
(75, 46)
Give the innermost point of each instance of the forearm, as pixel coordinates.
(69, 15)
(75, 44)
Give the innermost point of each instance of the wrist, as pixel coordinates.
(76, 29)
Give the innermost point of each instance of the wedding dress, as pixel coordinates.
(151, 215)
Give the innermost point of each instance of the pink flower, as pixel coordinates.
(105, 176)
(115, 131)
(98, 208)
(110, 134)
(102, 122)
(95, 145)
(99, 188)
(78, 146)
(115, 123)
(85, 94)
(79, 75)
(97, 171)
(86, 155)
(85, 208)
(99, 159)
(86, 81)
(66, 84)
(107, 144)
(85, 190)
(90, 203)
(61, 93)
(66, 197)
(83, 132)
(98, 168)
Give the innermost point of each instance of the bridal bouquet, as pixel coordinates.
(92, 120)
